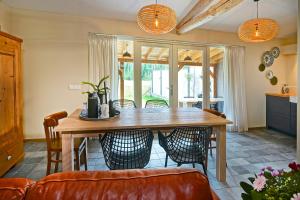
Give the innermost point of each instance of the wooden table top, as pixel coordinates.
(143, 118)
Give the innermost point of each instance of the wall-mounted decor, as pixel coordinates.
(274, 80)
(275, 52)
(267, 60)
(261, 67)
(269, 74)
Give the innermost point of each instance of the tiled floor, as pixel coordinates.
(246, 154)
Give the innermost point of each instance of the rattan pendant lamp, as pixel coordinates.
(156, 19)
(259, 29)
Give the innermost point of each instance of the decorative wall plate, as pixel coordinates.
(274, 80)
(269, 74)
(275, 52)
(262, 67)
(267, 59)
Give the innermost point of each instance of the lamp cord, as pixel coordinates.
(257, 9)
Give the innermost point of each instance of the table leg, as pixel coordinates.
(221, 154)
(67, 152)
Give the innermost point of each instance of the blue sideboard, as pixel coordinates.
(281, 114)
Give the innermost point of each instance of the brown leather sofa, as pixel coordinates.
(143, 184)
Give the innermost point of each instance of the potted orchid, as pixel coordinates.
(272, 184)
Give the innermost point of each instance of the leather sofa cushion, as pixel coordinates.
(14, 188)
(157, 184)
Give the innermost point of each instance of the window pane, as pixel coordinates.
(190, 78)
(155, 73)
(126, 67)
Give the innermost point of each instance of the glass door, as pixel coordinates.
(189, 76)
(154, 61)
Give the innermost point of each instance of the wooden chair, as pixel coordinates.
(213, 136)
(54, 144)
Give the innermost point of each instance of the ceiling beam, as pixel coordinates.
(199, 7)
(148, 53)
(161, 53)
(217, 9)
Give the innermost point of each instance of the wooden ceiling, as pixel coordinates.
(152, 54)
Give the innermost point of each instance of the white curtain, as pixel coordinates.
(103, 61)
(235, 106)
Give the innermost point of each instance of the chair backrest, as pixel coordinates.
(198, 104)
(189, 142)
(50, 122)
(124, 104)
(156, 103)
(127, 149)
(215, 113)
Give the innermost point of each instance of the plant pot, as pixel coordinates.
(93, 106)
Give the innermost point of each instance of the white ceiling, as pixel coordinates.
(283, 11)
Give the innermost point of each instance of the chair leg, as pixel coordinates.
(77, 163)
(193, 165)
(204, 169)
(56, 164)
(210, 147)
(166, 162)
(85, 159)
(48, 163)
(178, 164)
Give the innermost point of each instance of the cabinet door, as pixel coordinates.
(8, 133)
(278, 113)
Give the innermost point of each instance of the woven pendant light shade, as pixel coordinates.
(258, 30)
(156, 19)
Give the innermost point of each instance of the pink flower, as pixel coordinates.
(275, 173)
(270, 168)
(296, 197)
(259, 183)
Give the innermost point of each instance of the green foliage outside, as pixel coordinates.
(147, 70)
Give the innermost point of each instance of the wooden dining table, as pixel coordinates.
(155, 119)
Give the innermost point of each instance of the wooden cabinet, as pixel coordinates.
(11, 102)
(281, 114)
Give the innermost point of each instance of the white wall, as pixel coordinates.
(5, 17)
(291, 64)
(55, 55)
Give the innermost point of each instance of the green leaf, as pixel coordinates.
(268, 175)
(251, 179)
(102, 80)
(256, 195)
(90, 84)
(246, 187)
(246, 196)
(86, 92)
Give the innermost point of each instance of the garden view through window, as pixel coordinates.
(155, 69)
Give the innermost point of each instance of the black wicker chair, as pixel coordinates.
(124, 104)
(127, 149)
(198, 105)
(156, 103)
(187, 145)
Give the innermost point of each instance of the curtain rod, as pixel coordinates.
(154, 40)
